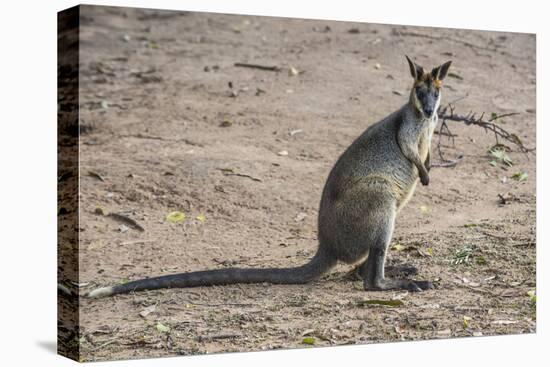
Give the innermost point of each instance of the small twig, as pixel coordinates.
(503, 115)
(505, 238)
(448, 162)
(438, 38)
(256, 66)
(142, 136)
(444, 161)
(136, 242)
(110, 341)
(212, 305)
(479, 290)
(445, 133)
(526, 244)
(229, 172)
(243, 175)
(453, 102)
(152, 137)
(203, 338)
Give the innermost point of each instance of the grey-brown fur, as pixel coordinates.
(367, 187)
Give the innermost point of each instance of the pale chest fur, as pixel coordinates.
(415, 139)
(425, 137)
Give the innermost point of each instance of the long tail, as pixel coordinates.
(318, 265)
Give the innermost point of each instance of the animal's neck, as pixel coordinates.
(411, 113)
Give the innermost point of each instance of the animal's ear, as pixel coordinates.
(416, 70)
(440, 72)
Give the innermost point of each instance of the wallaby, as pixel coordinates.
(369, 184)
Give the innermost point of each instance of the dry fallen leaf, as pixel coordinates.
(96, 245)
(399, 247)
(400, 329)
(175, 217)
(466, 321)
(520, 176)
(96, 175)
(226, 123)
(162, 328)
(293, 71)
(146, 311)
(504, 322)
(99, 211)
(120, 217)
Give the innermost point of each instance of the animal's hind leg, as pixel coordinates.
(372, 269)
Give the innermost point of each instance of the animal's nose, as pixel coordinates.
(428, 111)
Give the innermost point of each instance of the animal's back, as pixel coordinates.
(374, 156)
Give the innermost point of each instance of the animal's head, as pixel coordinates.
(425, 94)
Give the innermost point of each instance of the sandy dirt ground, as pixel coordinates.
(171, 124)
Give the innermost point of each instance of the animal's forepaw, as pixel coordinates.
(425, 180)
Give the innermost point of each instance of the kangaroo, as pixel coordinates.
(369, 184)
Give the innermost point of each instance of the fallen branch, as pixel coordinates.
(256, 66)
(488, 125)
(447, 114)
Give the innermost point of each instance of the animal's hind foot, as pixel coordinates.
(392, 284)
(424, 284)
